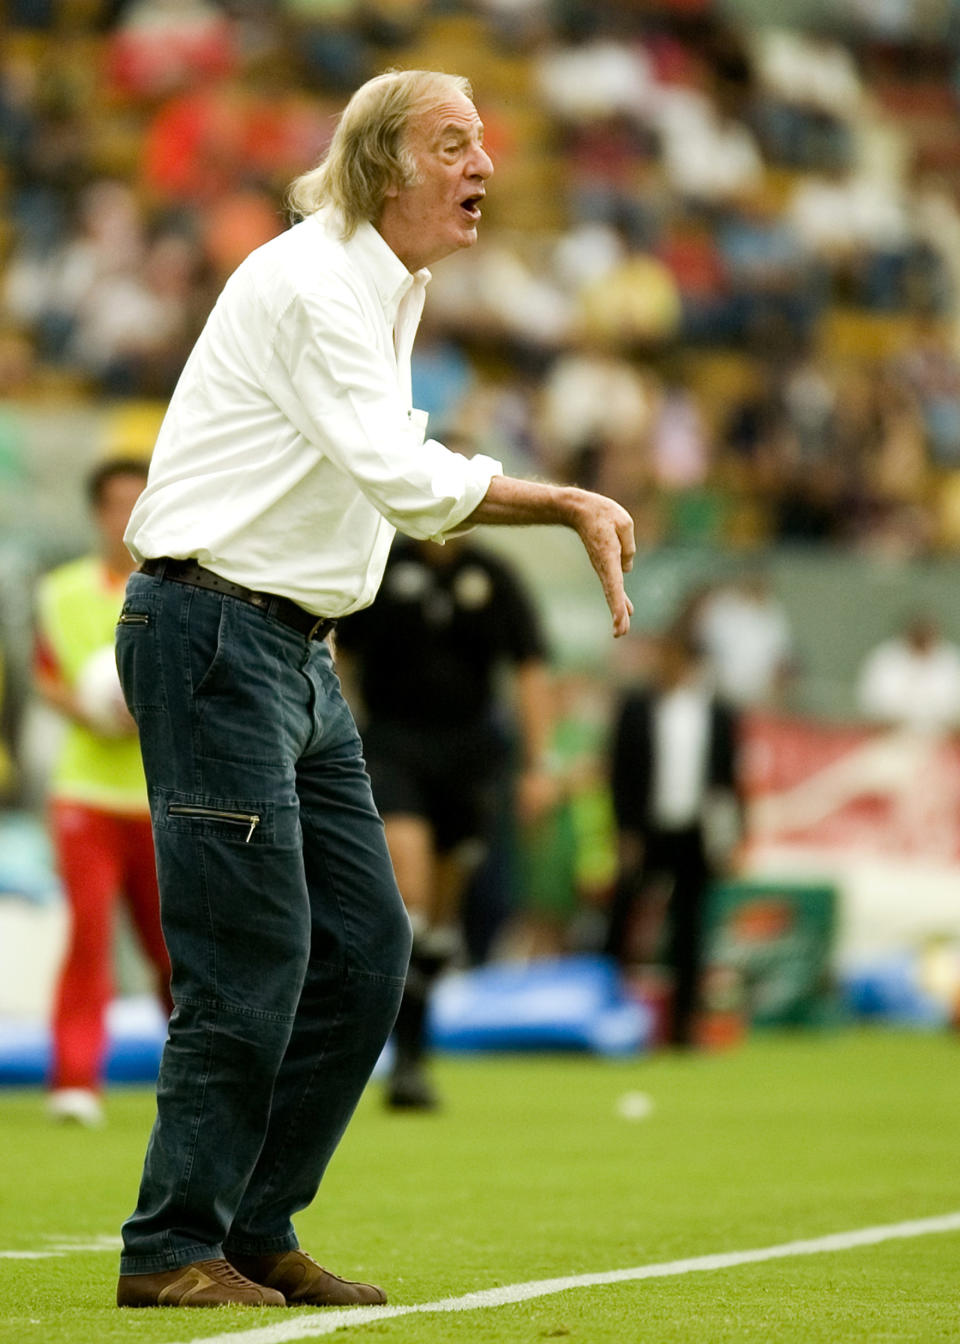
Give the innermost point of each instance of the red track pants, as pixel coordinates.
(101, 856)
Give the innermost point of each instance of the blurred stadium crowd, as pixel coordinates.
(720, 264)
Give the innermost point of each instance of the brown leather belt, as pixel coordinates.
(280, 608)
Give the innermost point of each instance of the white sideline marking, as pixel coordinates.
(64, 1246)
(326, 1322)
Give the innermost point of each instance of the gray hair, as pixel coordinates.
(368, 152)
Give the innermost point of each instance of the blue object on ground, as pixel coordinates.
(136, 1032)
(889, 990)
(569, 1003)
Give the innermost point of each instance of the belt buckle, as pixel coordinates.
(312, 632)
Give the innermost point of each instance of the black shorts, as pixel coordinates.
(452, 777)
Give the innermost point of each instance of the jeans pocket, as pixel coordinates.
(207, 634)
(234, 820)
(138, 657)
(246, 820)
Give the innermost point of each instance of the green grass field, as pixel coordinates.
(532, 1172)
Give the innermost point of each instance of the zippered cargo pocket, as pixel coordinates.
(251, 820)
(133, 618)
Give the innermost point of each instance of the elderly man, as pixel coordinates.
(288, 457)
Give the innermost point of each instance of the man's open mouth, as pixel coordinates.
(471, 206)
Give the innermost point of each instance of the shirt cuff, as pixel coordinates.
(481, 471)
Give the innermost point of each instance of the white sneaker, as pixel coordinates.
(77, 1105)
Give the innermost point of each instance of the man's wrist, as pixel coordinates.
(570, 505)
(510, 499)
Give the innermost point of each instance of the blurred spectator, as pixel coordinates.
(807, 71)
(236, 223)
(710, 158)
(808, 504)
(230, 136)
(103, 257)
(518, 25)
(678, 811)
(134, 329)
(47, 128)
(913, 679)
(613, 178)
(100, 818)
(894, 479)
(811, 94)
(442, 374)
(636, 304)
(503, 298)
(563, 848)
(18, 369)
(588, 252)
(935, 214)
(591, 396)
(163, 45)
(392, 23)
(327, 37)
(745, 634)
(929, 369)
(858, 226)
(711, 312)
(809, 401)
(776, 285)
(594, 79)
(680, 447)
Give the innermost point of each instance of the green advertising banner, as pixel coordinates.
(775, 940)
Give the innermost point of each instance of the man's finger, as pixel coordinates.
(628, 545)
(621, 623)
(621, 608)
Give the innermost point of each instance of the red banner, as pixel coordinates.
(886, 792)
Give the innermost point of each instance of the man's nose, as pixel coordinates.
(481, 165)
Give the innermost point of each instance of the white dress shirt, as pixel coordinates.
(291, 452)
(681, 726)
(917, 689)
(749, 644)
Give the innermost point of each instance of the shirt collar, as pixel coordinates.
(391, 279)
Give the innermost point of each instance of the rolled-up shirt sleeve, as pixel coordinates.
(342, 391)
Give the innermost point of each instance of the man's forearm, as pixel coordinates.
(511, 501)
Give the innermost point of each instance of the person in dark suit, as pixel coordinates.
(679, 817)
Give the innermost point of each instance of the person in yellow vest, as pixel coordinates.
(99, 816)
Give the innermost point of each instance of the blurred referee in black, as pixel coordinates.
(425, 663)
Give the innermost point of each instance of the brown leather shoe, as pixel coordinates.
(304, 1283)
(204, 1283)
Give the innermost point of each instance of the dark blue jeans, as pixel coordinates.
(287, 936)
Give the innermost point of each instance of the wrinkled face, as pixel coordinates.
(439, 212)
